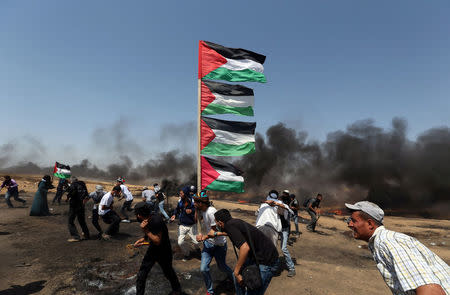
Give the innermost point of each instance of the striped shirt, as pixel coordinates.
(407, 264)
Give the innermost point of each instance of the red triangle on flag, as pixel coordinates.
(207, 135)
(208, 60)
(209, 174)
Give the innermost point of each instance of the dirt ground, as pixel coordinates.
(37, 259)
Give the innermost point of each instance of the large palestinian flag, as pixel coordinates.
(221, 98)
(221, 176)
(227, 138)
(61, 170)
(217, 62)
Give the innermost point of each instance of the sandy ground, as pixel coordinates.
(37, 259)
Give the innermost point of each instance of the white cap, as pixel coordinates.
(368, 207)
(99, 188)
(286, 191)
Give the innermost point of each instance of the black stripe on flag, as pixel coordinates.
(224, 166)
(62, 166)
(237, 53)
(228, 89)
(231, 126)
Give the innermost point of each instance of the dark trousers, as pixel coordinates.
(58, 196)
(95, 220)
(15, 195)
(126, 207)
(113, 220)
(77, 212)
(312, 223)
(164, 259)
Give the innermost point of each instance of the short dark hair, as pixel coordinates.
(155, 184)
(117, 188)
(319, 195)
(366, 217)
(7, 177)
(222, 215)
(142, 209)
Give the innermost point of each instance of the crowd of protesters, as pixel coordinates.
(406, 265)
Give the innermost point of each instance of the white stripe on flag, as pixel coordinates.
(243, 64)
(229, 176)
(234, 101)
(226, 137)
(62, 171)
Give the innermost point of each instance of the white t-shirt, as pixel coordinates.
(126, 192)
(209, 221)
(107, 201)
(149, 195)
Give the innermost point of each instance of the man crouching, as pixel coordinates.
(159, 250)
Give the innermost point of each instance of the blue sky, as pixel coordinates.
(75, 72)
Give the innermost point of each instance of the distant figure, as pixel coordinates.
(295, 206)
(160, 197)
(193, 191)
(407, 266)
(11, 191)
(109, 216)
(63, 184)
(78, 195)
(148, 195)
(213, 246)
(253, 246)
(128, 199)
(311, 207)
(96, 197)
(40, 205)
(159, 249)
(185, 211)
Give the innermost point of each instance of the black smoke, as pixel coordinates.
(362, 162)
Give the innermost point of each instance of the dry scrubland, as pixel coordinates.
(36, 259)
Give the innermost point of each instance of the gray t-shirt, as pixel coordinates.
(149, 196)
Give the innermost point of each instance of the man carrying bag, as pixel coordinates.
(256, 251)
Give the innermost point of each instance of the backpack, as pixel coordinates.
(306, 201)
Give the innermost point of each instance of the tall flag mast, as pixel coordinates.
(221, 137)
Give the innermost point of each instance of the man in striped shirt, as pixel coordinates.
(407, 266)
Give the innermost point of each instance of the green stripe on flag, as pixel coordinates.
(213, 109)
(221, 149)
(246, 75)
(60, 175)
(226, 186)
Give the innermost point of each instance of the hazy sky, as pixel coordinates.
(80, 78)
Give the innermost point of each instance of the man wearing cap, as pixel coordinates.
(128, 199)
(254, 248)
(213, 245)
(96, 197)
(109, 216)
(312, 209)
(407, 266)
(272, 219)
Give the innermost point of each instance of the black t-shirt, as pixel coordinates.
(77, 192)
(294, 203)
(238, 231)
(284, 222)
(157, 225)
(314, 203)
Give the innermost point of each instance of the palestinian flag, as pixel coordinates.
(217, 62)
(61, 170)
(221, 176)
(221, 98)
(227, 138)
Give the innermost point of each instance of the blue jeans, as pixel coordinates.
(161, 209)
(284, 249)
(15, 195)
(219, 253)
(295, 219)
(266, 271)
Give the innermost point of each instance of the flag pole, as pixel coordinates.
(199, 167)
(199, 118)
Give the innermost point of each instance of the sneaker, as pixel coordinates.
(106, 237)
(126, 220)
(72, 240)
(291, 273)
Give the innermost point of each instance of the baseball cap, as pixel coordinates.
(368, 207)
(99, 188)
(286, 191)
